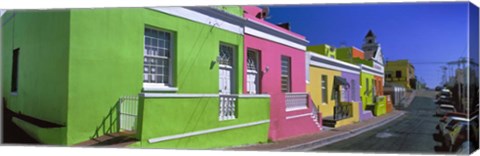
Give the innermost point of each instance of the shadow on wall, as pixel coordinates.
(11, 133)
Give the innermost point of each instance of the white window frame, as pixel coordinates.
(343, 93)
(289, 76)
(256, 53)
(324, 87)
(148, 86)
(233, 74)
(352, 90)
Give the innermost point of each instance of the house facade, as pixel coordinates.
(400, 72)
(275, 65)
(334, 86)
(353, 55)
(172, 76)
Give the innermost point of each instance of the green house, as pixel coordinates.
(164, 77)
(323, 49)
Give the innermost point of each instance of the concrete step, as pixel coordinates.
(120, 139)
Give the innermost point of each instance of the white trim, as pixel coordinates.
(333, 60)
(201, 18)
(295, 108)
(157, 87)
(276, 29)
(324, 65)
(296, 93)
(367, 67)
(224, 66)
(307, 68)
(173, 95)
(254, 96)
(372, 73)
(252, 71)
(298, 116)
(159, 139)
(263, 35)
(371, 68)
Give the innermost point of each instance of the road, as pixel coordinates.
(412, 133)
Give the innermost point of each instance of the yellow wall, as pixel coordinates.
(401, 65)
(315, 89)
(355, 117)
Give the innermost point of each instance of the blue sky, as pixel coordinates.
(424, 33)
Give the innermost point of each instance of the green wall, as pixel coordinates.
(43, 39)
(235, 10)
(106, 60)
(380, 107)
(75, 65)
(366, 98)
(323, 49)
(345, 55)
(170, 116)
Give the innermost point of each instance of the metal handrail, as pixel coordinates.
(342, 111)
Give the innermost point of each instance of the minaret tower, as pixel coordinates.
(370, 45)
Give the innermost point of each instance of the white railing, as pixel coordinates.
(296, 101)
(227, 107)
(128, 113)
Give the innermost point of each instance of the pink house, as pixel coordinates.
(275, 65)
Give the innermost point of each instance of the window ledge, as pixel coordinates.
(296, 108)
(14, 93)
(158, 88)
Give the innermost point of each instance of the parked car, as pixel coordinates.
(443, 109)
(443, 100)
(448, 120)
(444, 92)
(456, 138)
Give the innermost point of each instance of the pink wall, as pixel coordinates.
(270, 56)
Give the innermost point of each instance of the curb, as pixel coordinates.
(339, 137)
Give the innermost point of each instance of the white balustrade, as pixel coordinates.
(227, 107)
(296, 101)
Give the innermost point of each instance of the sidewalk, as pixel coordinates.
(325, 137)
(405, 102)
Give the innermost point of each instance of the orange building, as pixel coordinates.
(357, 53)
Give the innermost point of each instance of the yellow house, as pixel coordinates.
(320, 88)
(400, 72)
(322, 72)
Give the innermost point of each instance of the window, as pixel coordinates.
(368, 87)
(253, 86)
(324, 88)
(286, 79)
(14, 84)
(388, 74)
(398, 74)
(343, 92)
(352, 90)
(157, 57)
(226, 73)
(226, 63)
